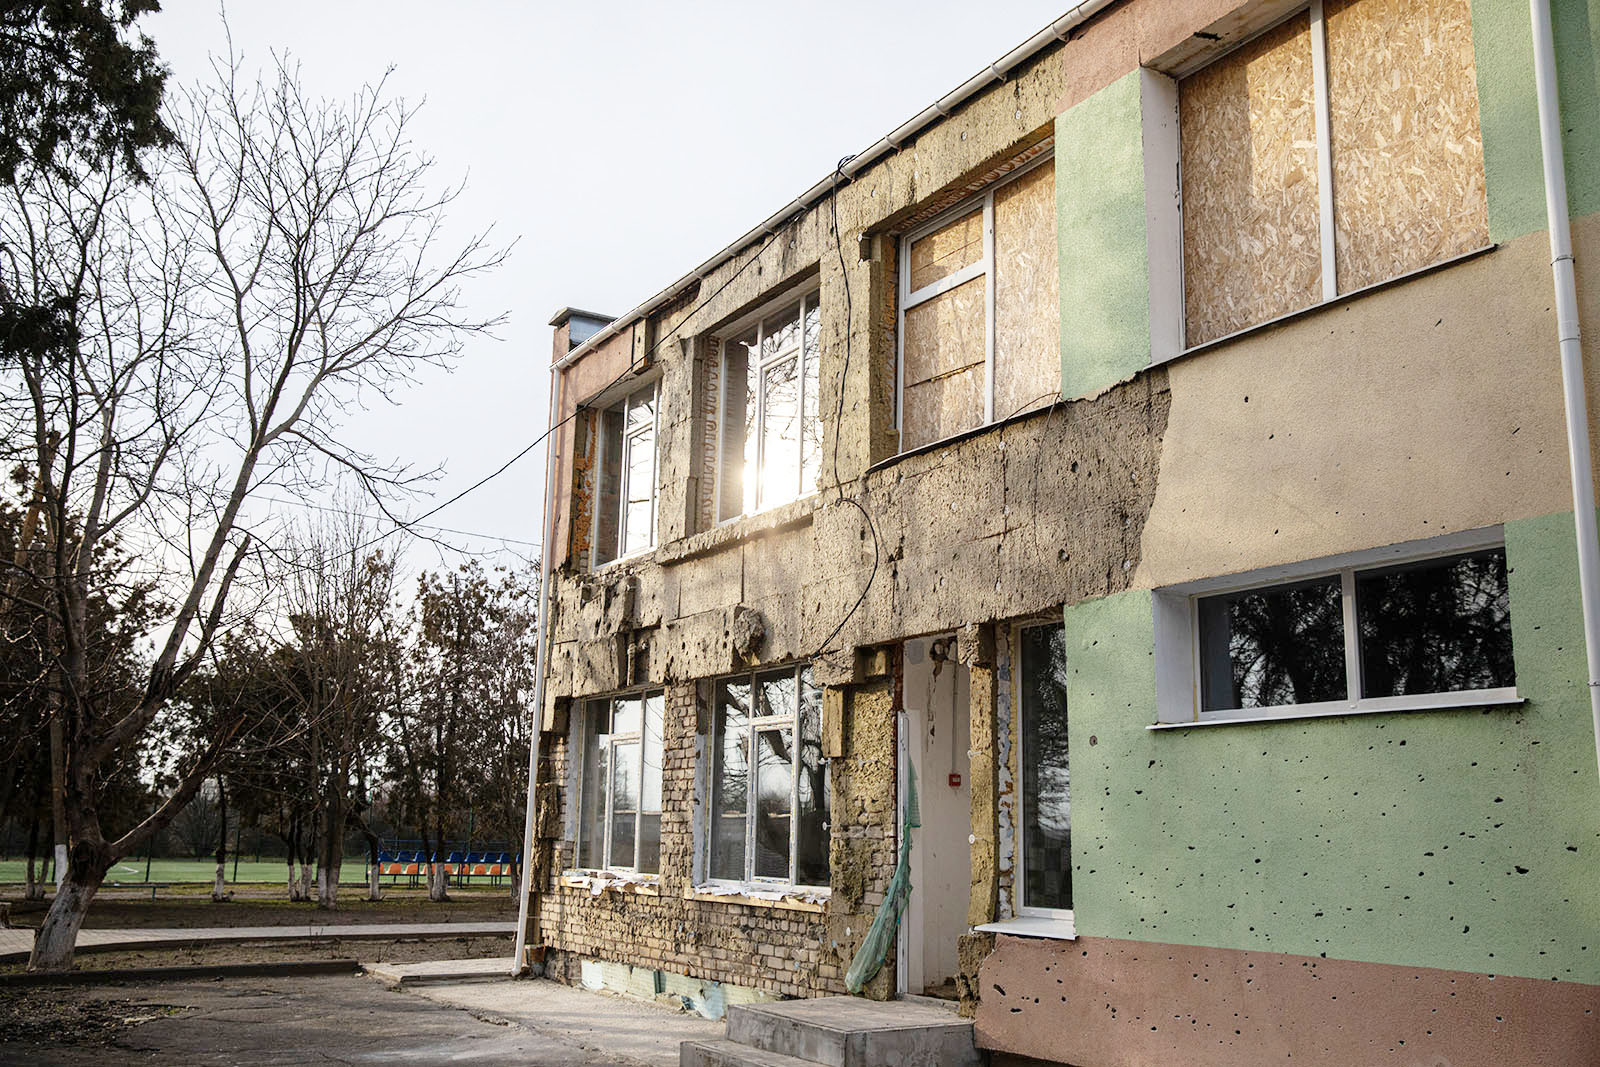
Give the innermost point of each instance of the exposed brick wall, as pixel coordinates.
(777, 950)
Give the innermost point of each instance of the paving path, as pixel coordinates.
(16, 944)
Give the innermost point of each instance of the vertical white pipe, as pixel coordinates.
(1577, 408)
(536, 723)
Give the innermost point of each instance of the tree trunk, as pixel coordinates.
(219, 889)
(33, 889)
(330, 856)
(438, 884)
(58, 934)
(374, 889)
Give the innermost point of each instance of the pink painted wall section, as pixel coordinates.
(1099, 1002)
(581, 381)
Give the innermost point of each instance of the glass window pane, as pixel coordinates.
(946, 250)
(641, 409)
(650, 786)
(774, 799)
(780, 333)
(775, 694)
(1269, 647)
(608, 486)
(737, 459)
(729, 796)
(1439, 626)
(639, 519)
(591, 790)
(1046, 810)
(780, 433)
(810, 417)
(649, 843)
(626, 715)
(624, 802)
(813, 823)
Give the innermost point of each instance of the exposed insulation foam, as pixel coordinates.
(944, 365)
(1251, 228)
(1027, 312)
(945, 251)
(1408, 186)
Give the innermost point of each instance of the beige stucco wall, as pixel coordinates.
(1427, 407)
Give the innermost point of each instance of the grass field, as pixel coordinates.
(178, 871)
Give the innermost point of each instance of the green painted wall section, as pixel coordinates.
(1100, 233)
(1466, 840)
(1502, 38)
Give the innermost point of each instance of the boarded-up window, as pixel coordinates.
(1407, 153)
(1251, 247)
(980, 319)
(1393, 111)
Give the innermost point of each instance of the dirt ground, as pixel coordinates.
(326, 1019)
(187, 907)
(398, 951)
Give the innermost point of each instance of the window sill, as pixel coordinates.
(734, 531)
(1322, 305)
(1394, 705)
(976, 431)
(636, 556)
(812, 901)
(1032, 926)
(597, 882)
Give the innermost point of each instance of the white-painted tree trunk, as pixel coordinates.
(305, 881)
(328, 888)
(438, 887)
(61, 864)
(219, 887)
(374, 888)
(58, 934)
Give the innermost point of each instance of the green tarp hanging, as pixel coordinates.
(880, 936)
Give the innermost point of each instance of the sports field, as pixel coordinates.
(178, 871)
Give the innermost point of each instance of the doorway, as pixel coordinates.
(934, 732)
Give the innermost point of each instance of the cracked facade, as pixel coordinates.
(993, 437)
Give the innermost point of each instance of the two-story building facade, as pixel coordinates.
(1158, 449)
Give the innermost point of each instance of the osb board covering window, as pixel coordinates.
(1408, 186)
(947, 250)
(944, 365)
(1251, 233)
(1027, 313)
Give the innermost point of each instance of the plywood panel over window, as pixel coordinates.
(947, 250)
(1027, 311)
(944, 365)
(1251, 234)
(1408, 186)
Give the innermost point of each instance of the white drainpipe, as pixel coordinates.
(1555, 199)
(541, 630)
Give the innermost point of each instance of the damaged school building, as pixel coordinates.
(1158, 450)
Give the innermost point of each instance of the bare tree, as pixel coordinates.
(284, 264)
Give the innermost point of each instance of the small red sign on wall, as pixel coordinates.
(955, 780)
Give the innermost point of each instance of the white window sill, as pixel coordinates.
(631, 557)
(598, 882)
(783, 898)
(1032, 926)
(1388, 705)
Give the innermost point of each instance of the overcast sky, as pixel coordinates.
(620, 144)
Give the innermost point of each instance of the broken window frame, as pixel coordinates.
(909, 299)
(585, 757)
(807, 300)
(1020, 704)
(1179, 695)
(628, 436)
(752, 729)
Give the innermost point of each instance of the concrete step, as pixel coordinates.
(852, 1032)
(479, 970)
(725, 1053)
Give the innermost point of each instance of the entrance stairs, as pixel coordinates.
(838, 1032)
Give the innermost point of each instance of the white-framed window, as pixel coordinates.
(1044, 867)
(769, 791)
(978, 320)
(619, 783)
(769, 429)
(1409, 627)
(625, 477)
